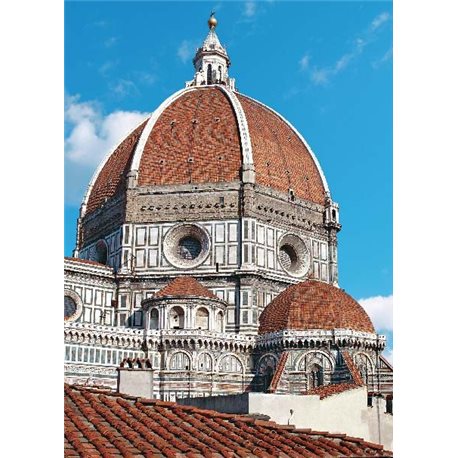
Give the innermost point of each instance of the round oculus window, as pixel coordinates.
(69, 307)
(73, 306)
(293, 255)
(189, 248)
(186, 245)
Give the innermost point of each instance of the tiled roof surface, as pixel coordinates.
(314, 305)
(112, 178)
(325, 391)
(185, 286)
(281, 160)
(105, 424)
(195, 140)
(278, 372)
(87, 261)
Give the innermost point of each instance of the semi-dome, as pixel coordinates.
(314, 305)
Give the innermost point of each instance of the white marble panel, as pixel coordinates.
(232, 254)
(152, 258)
(232, 232)
(153, 235)
(270, 259)
(219, 233)
(141, 236)
(270, 237)
(140, 258)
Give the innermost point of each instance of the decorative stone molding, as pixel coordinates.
(186, 245)
(293, 255)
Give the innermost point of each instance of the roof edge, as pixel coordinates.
(301, 138)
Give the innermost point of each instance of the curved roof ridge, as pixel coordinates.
(244, 131)
(102, 165)
(301, 138)
(150, 125)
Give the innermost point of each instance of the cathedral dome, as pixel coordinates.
(314, 305)
(210, 134)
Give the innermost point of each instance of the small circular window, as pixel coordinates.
(189, 248)
(69, 307)
(186, 245)
(293, 255)
(72, 305)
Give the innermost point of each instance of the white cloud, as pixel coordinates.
(388, 354)
(124, 87)
(109, 42)
(250, 9)
(322, 75)
(304, 62)
(385, 58)
(379, 20)
(92, 134)
(186, 50)
(380, 311)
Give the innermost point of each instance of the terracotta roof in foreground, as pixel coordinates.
(185, 287)
(102, 423)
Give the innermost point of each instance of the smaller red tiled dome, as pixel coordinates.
(184, 287)
(314, 305)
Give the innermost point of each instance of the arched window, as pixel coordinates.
(180, 361)
(230, 364)
(154, 319)
(209, 74)
(202, 318)
(204, 363)
(101, 252)
(220, 322)
(176, 318)
(365, 368)
(268, 375)
(316, 376)
(220, 73)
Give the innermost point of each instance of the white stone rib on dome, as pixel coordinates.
(242, 124)
(302, 139)
(244, 132)
(150, 125)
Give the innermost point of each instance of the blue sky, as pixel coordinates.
(325, 66)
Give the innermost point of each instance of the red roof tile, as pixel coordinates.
(106, 424)
(354, 372)
(195, 140)
(184, 287)
(278, 372)
(328, 390)
(314, 305)
(281, 159)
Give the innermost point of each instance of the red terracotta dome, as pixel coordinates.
(314, 305)
(210, 134)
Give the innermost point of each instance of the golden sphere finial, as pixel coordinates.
(212, 22)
